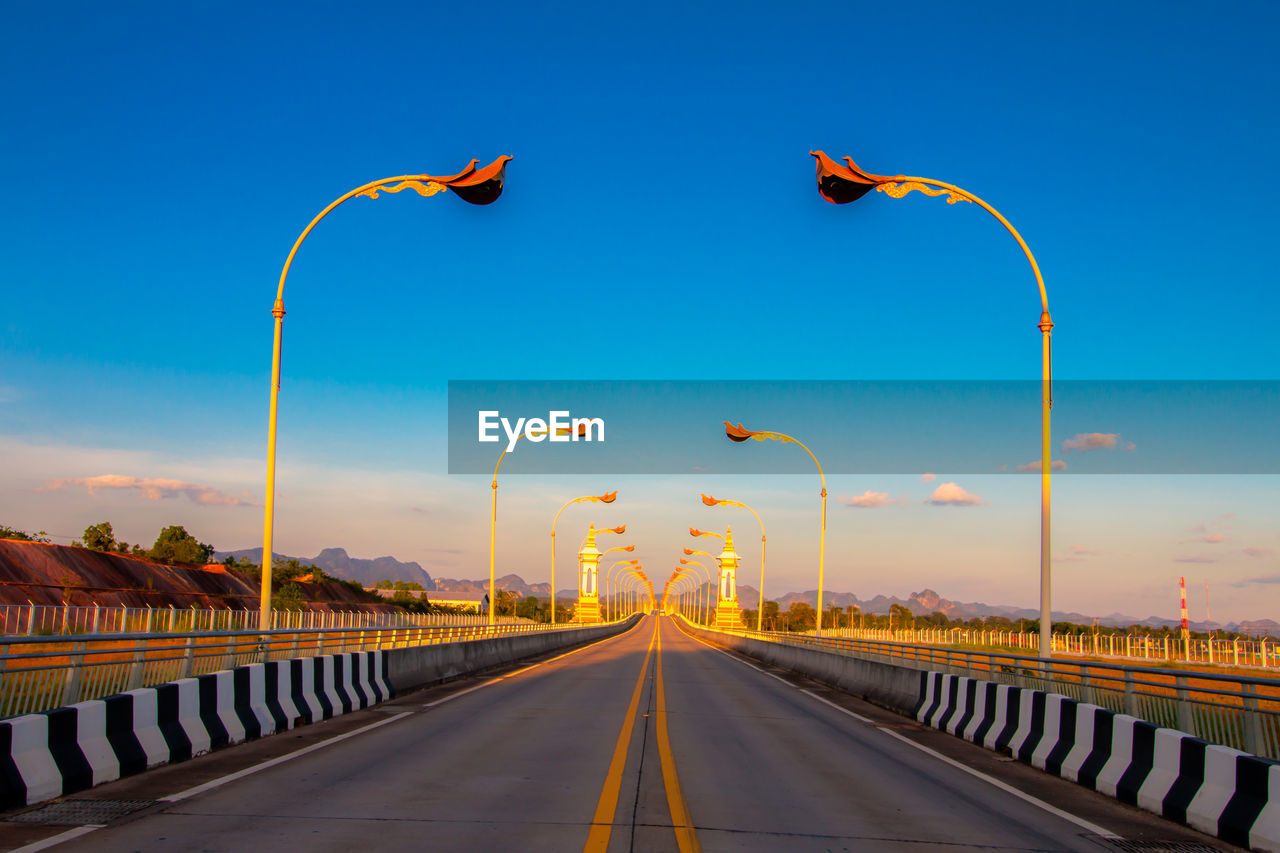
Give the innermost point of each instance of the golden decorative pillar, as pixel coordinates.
(728, 614)
(588, 609)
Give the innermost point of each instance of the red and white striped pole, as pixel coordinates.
(1186, 631)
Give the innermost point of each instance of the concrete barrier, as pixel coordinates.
(1218, 790)
(65, 750)
(419, 666)
(885, 684)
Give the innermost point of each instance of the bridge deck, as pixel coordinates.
(527, 761)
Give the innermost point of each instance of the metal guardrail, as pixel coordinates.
(1236, 711)
(65, 619)
(40, 673)
(1233, 652)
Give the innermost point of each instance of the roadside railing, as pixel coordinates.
(42, 619)
(1222, 652)
(38, 673)
(1237, 711)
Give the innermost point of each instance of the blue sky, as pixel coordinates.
(660, 222)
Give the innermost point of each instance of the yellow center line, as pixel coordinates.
(602, 822)
(686, 836)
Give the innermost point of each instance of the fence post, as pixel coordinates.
(1130, 694)
(135, 668)
(97, 613)
(1086, 686)
(1252, 720)
(1186, 720)
(71, 687)
(189, 658)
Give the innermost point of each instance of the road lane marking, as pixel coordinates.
(280, 759)
(53, 840)
(607, 805)
(686, 836)
(991, 780)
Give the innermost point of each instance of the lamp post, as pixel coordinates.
(700, 593)
(704, 575)
(493, 517)
(627, 548)
(843, 184)
(608, 577)
(631, 581)
(477, 186)
(740, 433)
(607, 498)
(710, 501)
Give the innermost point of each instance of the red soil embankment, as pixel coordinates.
(39, 573)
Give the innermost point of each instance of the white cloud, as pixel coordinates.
(1253, 551)
(1097, 441)
(1055, 465)
(1213, 538)
(152, 488)
(950, 494)
(870, 500)
(928, 477)
(1193, 559)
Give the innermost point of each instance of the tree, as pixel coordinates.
(288, 598)
(800, 617)
(99, 537)
(7, 532)
(900, 616)
(176, 545)
(771, 621)
(529, 608)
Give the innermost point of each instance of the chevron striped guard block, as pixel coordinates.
(59, 752)
(1217, 790)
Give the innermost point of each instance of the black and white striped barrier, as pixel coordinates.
(69, 749)
(1221, 791)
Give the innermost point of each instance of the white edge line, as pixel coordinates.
(1008, 789)
(280, 759)
(52, 840)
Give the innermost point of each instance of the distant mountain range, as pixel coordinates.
(338, 563)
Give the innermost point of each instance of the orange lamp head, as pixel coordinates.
(480, 186)
(738, 433)
(608, 497)
(843, 184)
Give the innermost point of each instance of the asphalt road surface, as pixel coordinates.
(648, 741)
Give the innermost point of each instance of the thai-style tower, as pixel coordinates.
(728, 614)
(588, 609)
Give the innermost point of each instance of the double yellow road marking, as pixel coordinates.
(602, 822)
(686, 837)
(607, 806)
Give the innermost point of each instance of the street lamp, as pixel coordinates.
(477, 186)
(705, 575)
(699, 591)
(493, 513)
(843, 184)
(607, 498)
(740, 433)
(608, 576)
(710, 501)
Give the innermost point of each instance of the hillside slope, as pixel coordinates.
(34, 572)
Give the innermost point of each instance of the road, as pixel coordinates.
(648, 741)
